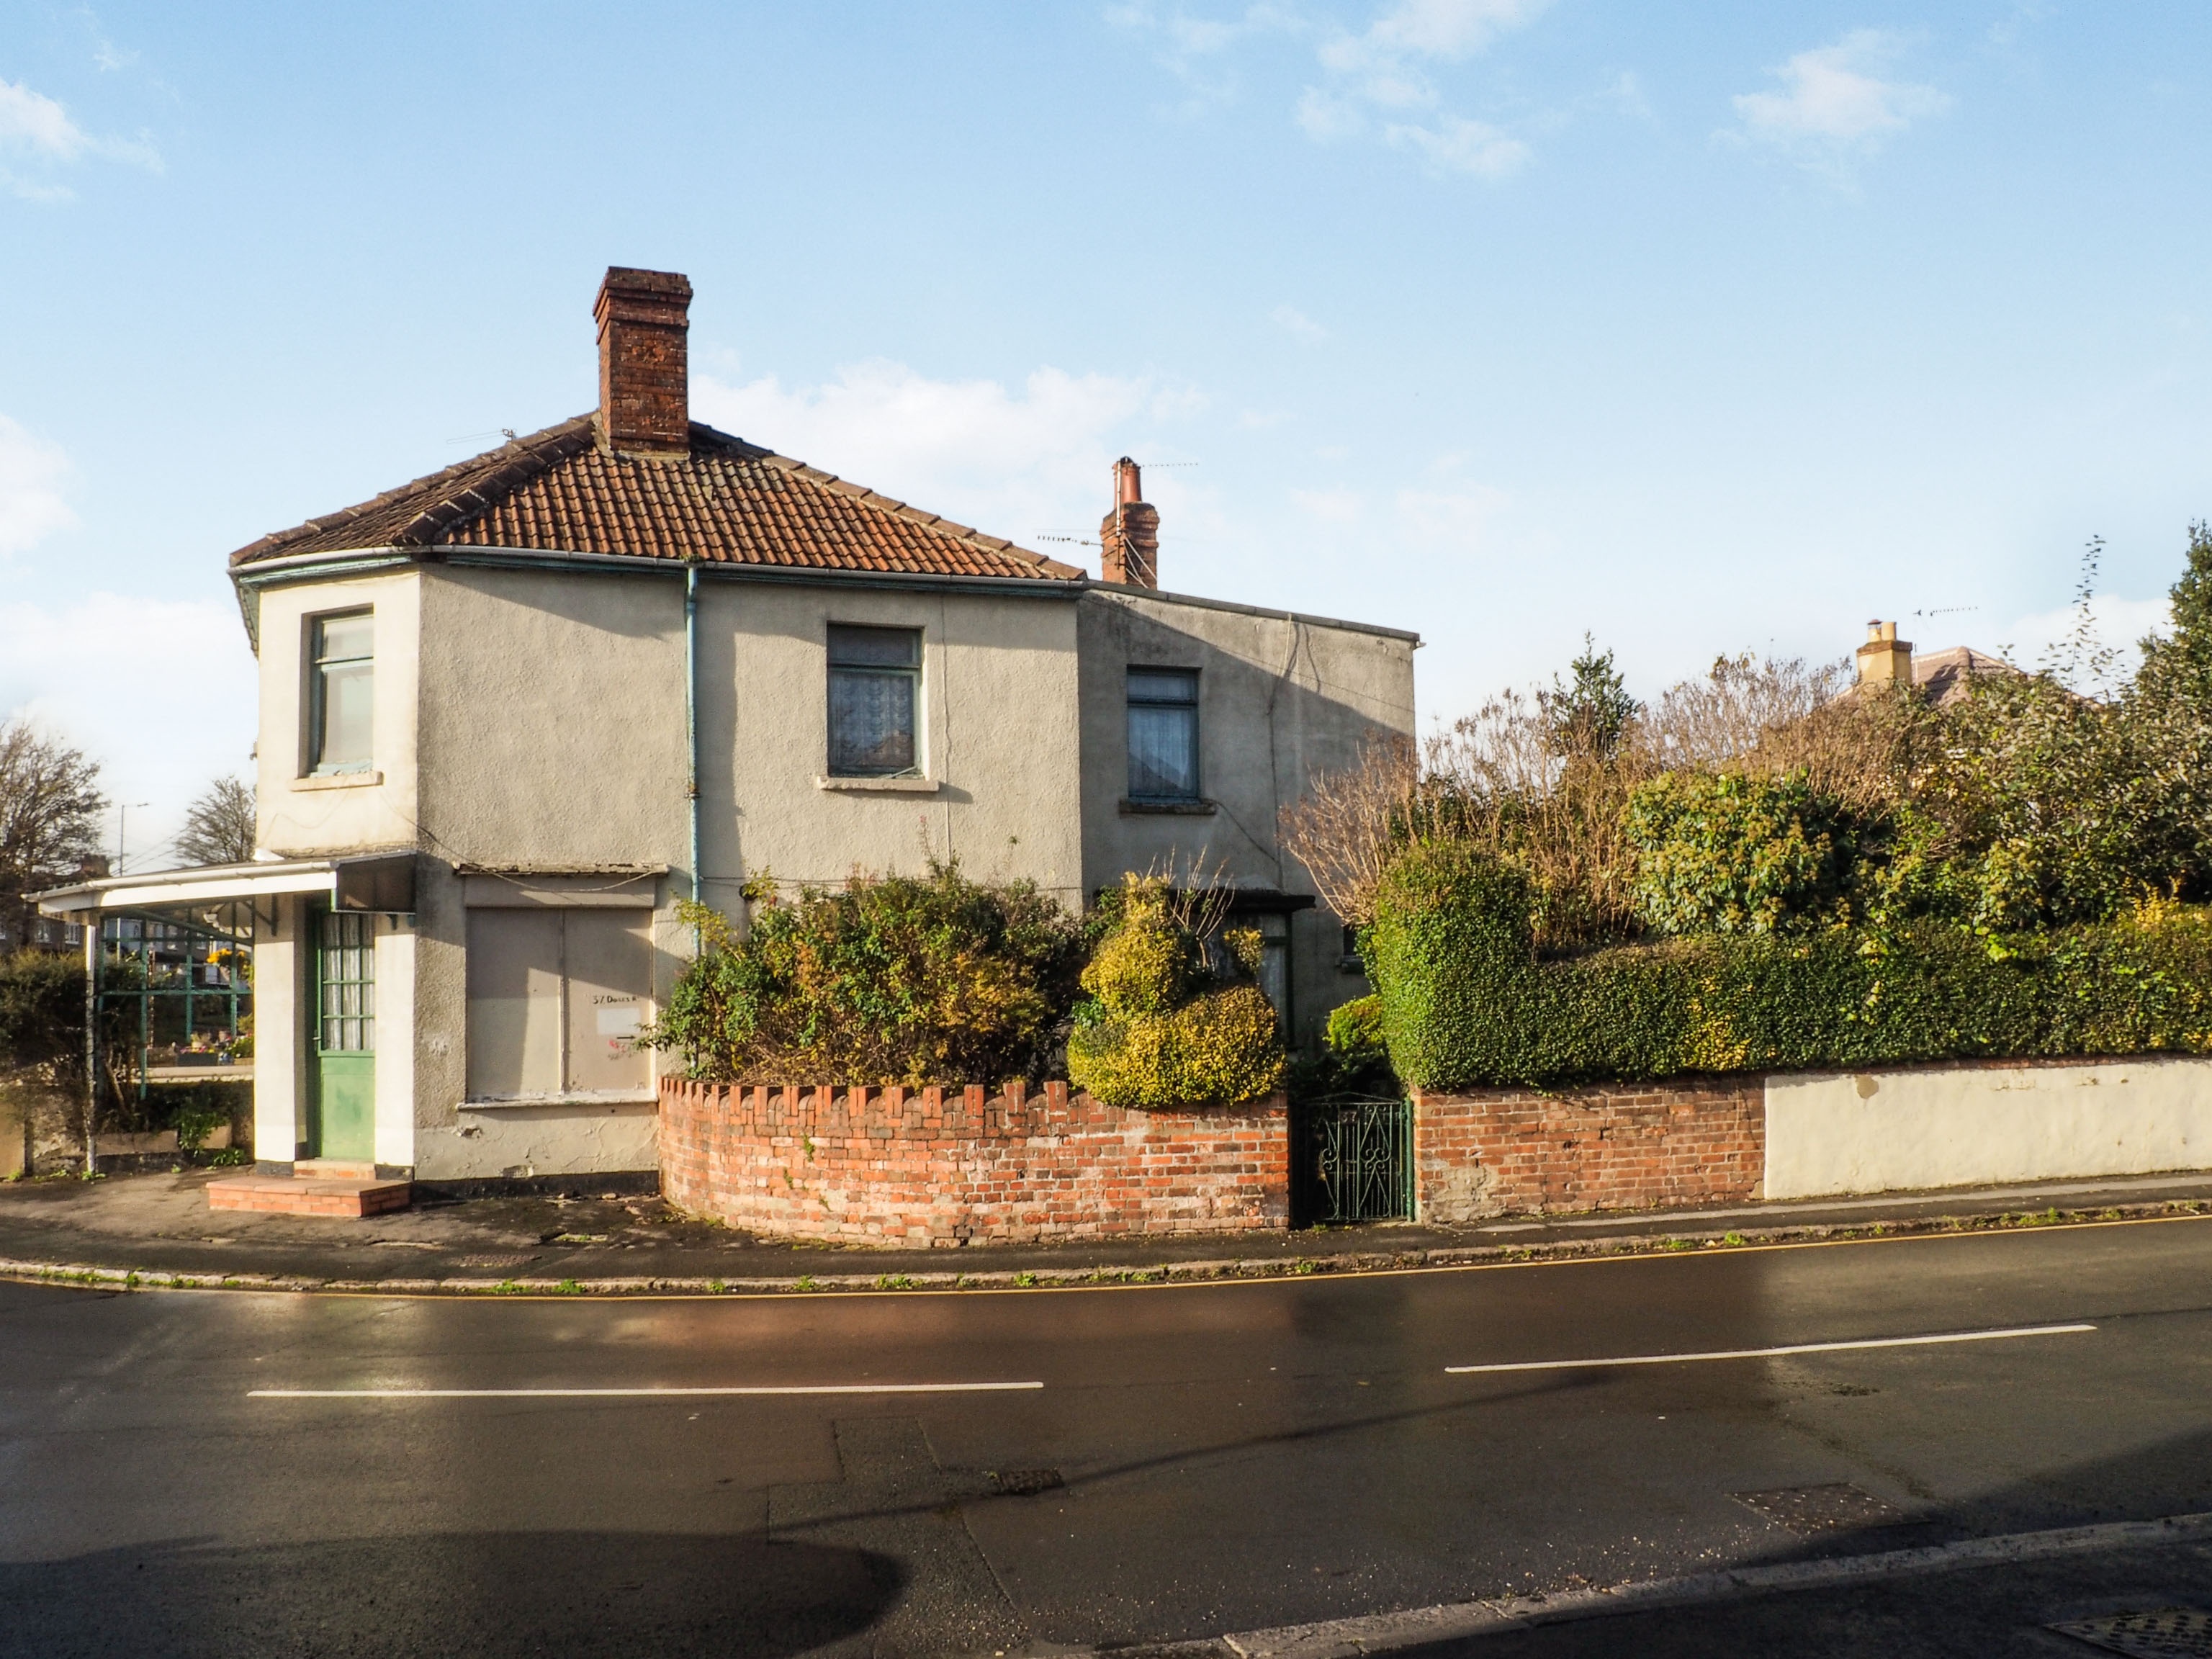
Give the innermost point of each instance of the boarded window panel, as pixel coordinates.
(515, 1003)
(609, 964)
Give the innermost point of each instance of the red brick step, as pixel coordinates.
(314, 1192)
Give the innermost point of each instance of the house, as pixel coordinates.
(1940, 677)
(514, 714)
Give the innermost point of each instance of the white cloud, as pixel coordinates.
(1387, 69)
(31, 475)
(1292, 320)
(37, 130)
(1834, 98)
(1449, 28)
(34, 122)
(1334, 505)
(103, 673)
(1325, 117)
(1013, 462)
(1455, 145)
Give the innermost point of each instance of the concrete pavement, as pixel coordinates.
(157, 1227)
(199, 1473)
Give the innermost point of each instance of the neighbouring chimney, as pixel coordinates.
(1885, 659)
(645, 398)
(1129, 536)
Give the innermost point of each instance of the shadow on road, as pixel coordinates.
(578, 1595)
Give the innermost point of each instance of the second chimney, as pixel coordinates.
(1885, 659)
(1129, 536)
(645, 394)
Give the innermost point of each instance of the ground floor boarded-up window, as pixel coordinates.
(556, 999)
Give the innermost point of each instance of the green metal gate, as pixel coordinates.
(1351, 1159)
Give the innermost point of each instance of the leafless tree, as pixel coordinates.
(1549, 793)
(219, 825)
(1771, 716)
(50, 810)
(1349, 823)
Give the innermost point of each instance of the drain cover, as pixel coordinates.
(1822, 1509)
(1023, 1483)
(2165, 1631)
(496, 1261)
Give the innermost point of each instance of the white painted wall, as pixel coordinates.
(278, 1124)
(301, 815)
(1908, 1130)
(395, 1041)
(485, 1142)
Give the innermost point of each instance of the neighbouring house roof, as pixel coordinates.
(1944, 676)
(726, 503)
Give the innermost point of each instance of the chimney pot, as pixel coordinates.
(645, 399)
(1129, 536)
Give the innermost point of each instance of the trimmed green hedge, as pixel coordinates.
(1466, 1003)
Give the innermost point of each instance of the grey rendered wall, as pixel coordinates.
(1280, 697)
(998, 739)
(550, 736)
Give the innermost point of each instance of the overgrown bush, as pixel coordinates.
(1726, 852)
(41, 1011)
(1468, 1003)
(1351, 1063)
(1160, 1030)
(888, 979)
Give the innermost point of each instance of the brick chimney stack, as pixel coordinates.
(645, 393)
(1129, 536)
(1885, 659)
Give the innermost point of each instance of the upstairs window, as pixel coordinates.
(875, 679)
(343, 652)
(1164, 734)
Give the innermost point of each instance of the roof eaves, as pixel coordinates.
(522, 459)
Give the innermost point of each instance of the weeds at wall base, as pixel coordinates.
(118, 1279)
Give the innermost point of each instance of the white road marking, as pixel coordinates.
(1772, 1353)
(632, 1394)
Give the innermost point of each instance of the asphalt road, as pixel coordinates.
(1229, 1456)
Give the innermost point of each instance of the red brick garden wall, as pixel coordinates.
(954, 1166)
(1624, 1147)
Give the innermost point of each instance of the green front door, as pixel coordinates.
(342, 1123)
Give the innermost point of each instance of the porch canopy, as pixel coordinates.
(374, 881)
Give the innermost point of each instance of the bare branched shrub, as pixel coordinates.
(1529, 780)
(1542, 794)
(1769, 717)
(1350, 824)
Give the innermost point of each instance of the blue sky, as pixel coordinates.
(1701, 330)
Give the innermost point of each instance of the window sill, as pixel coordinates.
(881, 786)
(527, 1102)
(1172, 808)
(338, 781)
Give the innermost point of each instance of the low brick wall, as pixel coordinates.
(1622, 1146)
(957, 1166)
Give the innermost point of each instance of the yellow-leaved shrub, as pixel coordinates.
(1161, 1030)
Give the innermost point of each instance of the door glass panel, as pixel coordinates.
(346, 982)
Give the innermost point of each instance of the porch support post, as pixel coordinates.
(92, 927)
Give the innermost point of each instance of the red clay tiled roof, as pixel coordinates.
(728, 503)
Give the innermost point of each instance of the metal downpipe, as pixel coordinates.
(691, 719)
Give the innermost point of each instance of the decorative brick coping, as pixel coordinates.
(949, 1166)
